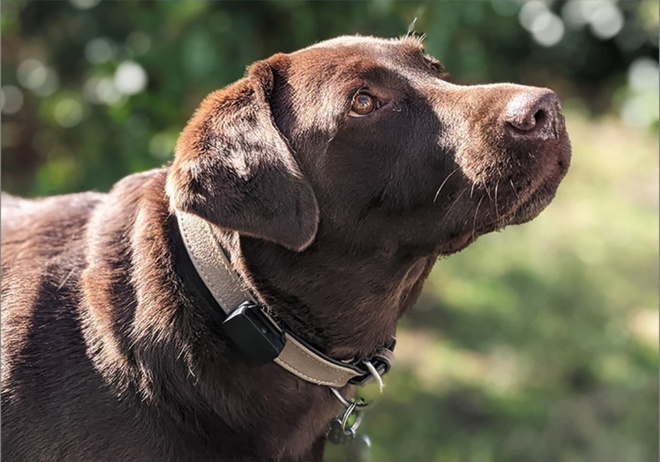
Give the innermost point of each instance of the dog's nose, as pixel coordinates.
(532, 113)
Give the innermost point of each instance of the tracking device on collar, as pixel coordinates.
(254, 333)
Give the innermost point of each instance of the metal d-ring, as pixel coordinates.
(347, 414)
(372, 370)
(360, 404)
(351, 407)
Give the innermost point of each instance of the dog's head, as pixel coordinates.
(362, 137)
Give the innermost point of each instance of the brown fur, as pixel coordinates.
(111, 347)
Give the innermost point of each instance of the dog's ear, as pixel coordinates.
(234, 168)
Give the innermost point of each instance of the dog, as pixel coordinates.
(330, 180)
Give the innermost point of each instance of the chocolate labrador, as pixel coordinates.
(324, 185)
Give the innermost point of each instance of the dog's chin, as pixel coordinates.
(532, 202)
(532, 205)
(457, 244)
(528, 209)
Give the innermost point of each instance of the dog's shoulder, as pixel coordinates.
(26, 218)
(51, 237)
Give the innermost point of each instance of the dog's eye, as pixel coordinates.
(435, 65)
(363, 104)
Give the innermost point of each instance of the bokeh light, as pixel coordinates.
(11, 99)
(130, 78)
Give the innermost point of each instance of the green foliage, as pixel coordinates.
(535, 344)
(75, 130)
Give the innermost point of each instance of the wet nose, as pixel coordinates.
(532, 113)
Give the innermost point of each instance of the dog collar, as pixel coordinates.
(254, 330)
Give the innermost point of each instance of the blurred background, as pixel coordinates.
(536, 344)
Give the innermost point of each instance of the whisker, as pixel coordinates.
(476, 212)
(497, 212)
(455, 201)
(513, 188)
(487, 191)
(443, 183)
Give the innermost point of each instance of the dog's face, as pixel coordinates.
(363, 136)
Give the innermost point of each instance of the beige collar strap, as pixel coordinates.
(231, 293)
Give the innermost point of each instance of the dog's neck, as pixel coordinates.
(346, 304)
(249, 320)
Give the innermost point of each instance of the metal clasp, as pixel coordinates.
(342, 431)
